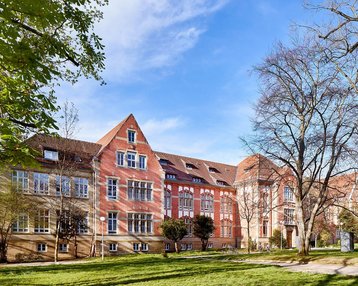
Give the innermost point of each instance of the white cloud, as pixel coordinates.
(154, 127)
(152, 34)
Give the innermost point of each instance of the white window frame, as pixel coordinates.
(64, 187)
(131, 163)
(41, 247)
(20, 180)
(136, 246)
(142, 164)
(167, 247)
(42, 221)
(112, 188)
(189, 246)
(144, 247)
(63, 247)
(207, 202)
(112, 222)
(41, 183)
(210, 245)
(139, 190)
(129, 137)
(289, 216)
(51, 155)
(288, 194)
(112, 247)
(120, 158)
(186, 200)
(167, 199)
(83, 227)
(171, 176)
(81, 187)
(21, 224)
(140, 223)
(226, 228)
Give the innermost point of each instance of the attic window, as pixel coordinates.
(190, 166)
(78, 159)
(213, 170)
(164, 162)
(221, 183)
(171, 176)
(51, 155)
(197, 180)
(131, 136)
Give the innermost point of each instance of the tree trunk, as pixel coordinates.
(303, 231)
(3, 251)
(56, 241)
(177, 250)
(248, 239)
(204, 244)
(75, 246)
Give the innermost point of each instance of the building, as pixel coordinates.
(127, 190)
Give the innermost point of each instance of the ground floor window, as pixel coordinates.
(136, 246)
(41, 247)
(63, 247)
(210, 245)
(167, 246)
(113, 247)
(145, 247)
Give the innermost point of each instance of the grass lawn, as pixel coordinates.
(156, 270)
(325, 256)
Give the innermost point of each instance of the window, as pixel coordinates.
(226, 228)
(63, 247)
(42, 221)
(21, 224)
(171, 176)
(167, 246)
(81, 187)
(210, 245)
(288, 194)
(145, 247)
(197, 180)
(62, 186)
(112, 222)
(131, 136)
(120, 159)
(189, 225)
(265, 203)
(51, 155)
(190, 166)
(139, 191)
(289, 216)
(83, 224)
(41, 247)
(185, 200)
(226, 205)
(131, 159)
(264, 228)
(183, 246)
(221, 183)
(207, 202)
(140, 223)
(41, 182)
(189, 246)
(20, 180)
(164, 162)
(213, 170)
(142, 162)
(113, 247)
(167, 200)
(112, 189)
(136, 246)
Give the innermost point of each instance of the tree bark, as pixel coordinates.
(248, 239)
(3, 251)
(204, 243)
(177, 250)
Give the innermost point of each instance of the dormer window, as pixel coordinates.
(190, 166)
(51, 155)
(164, 162)
(213, 170)
(131, 136)
(197, 180)
(221, 183)
(171, 176)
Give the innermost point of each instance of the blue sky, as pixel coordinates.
(183, 69)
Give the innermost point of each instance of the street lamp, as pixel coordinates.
(102, 219)
(281, 222)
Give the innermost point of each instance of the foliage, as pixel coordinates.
(275, 239)
(325, 238)
(175, 230)
(203, 228)
(42, 43)
(12, 203)
(349, 220)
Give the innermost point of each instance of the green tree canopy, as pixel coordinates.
(42, 43)
(349, 221)
(175, 230)
(203, 228)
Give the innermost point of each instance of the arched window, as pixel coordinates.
(226, 228)
(186, 200)
(207, 202)
(288, 194)
(189, 224)
(167, 199)
(225, 204)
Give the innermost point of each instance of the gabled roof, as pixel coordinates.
(106, 139)
(256, 167)
(178, 167)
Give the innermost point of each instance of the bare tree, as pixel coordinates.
(340, 34)
(306, 119)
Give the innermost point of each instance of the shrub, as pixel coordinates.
(275, 239)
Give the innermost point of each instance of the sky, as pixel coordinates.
(183, 69)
